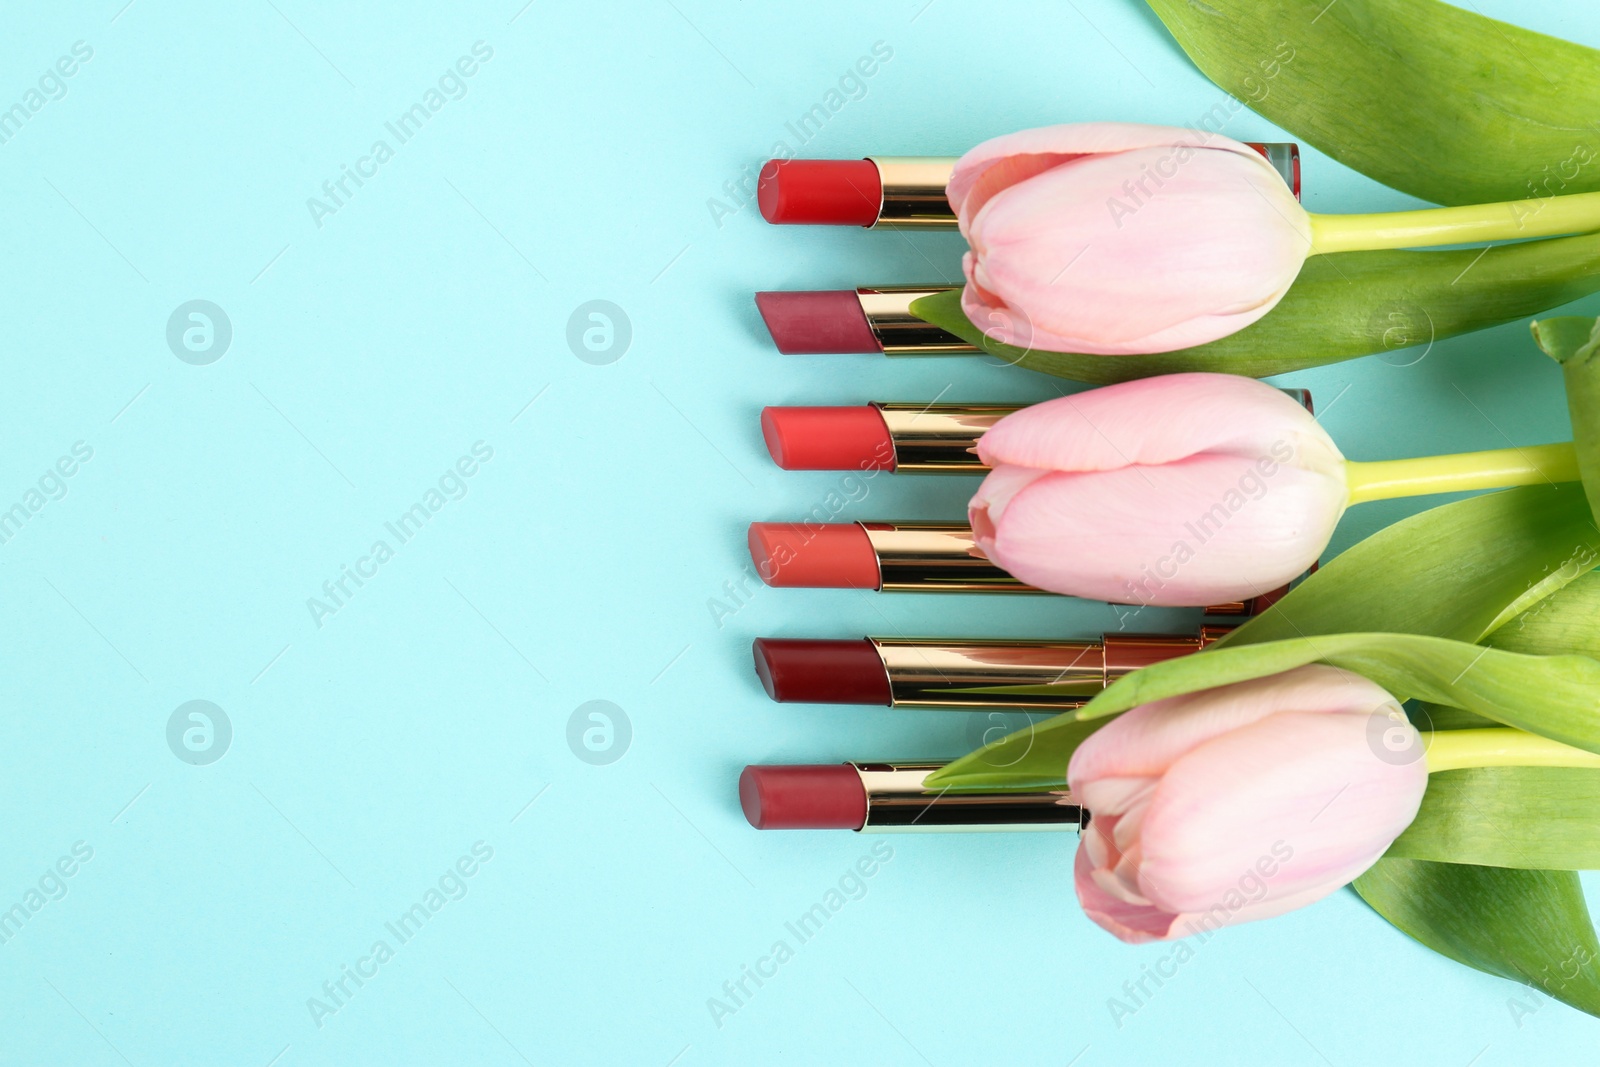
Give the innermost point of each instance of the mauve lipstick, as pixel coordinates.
(891, 798)
(897, 192)
(867, 320)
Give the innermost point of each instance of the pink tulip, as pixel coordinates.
(1111, 238)
(1181, 490)
(1240, 802)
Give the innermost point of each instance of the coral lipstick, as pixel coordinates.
(961, 675)
(867, 320)
(896, 192)
(890, 798)
(899, 557)
(906, 438)
(886, 556)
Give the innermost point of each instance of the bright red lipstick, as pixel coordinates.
(903, 192)
(820, 192)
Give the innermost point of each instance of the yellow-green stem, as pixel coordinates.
(1511, 221)
(1453, 750)
(1390, 478)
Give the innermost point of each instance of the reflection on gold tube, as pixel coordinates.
(897, 802)
(939, 438)
(900, 333)
(913, 192)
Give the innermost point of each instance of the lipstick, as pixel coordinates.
(906, 438)
(890, 798)
(899, 557)
(961, 675)
(897, 192)
(868, 320)
(886, 556)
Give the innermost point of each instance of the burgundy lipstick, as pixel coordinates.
(961, 675)
(896, 192)
(890, 798)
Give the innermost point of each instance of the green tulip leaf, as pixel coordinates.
(1554, 696)
(1575, 344)
(1568, 620)
(1342, 306)
(1532, 817)
(1033, 758)
(1427, 98)
(1532, 927)
(1506, 552)
(1459, 570)
(1549, 695)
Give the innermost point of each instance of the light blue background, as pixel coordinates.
(428, 313)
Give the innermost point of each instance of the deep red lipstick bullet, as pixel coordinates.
(961, 674)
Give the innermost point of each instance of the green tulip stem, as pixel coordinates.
(1498, 469)
(1513, 220)
(1454, 750)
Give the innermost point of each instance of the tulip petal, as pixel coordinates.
(1134, 923)
(1000, 486)
(1024, 153)
(1112, 795)
(1193, 532)
(1106, 251)
(1295, 805)
(1140, 745)
(1156, 420)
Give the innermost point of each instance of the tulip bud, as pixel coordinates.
(1181, 490)
(1112, 238)
(1241, 802)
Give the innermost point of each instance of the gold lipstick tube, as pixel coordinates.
(914, 186)
(898, 803)
(939, 438)
(913, 192)
(1045, 675)
(942, 438)
(943, 557)
(935, 557)
(900, 333)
